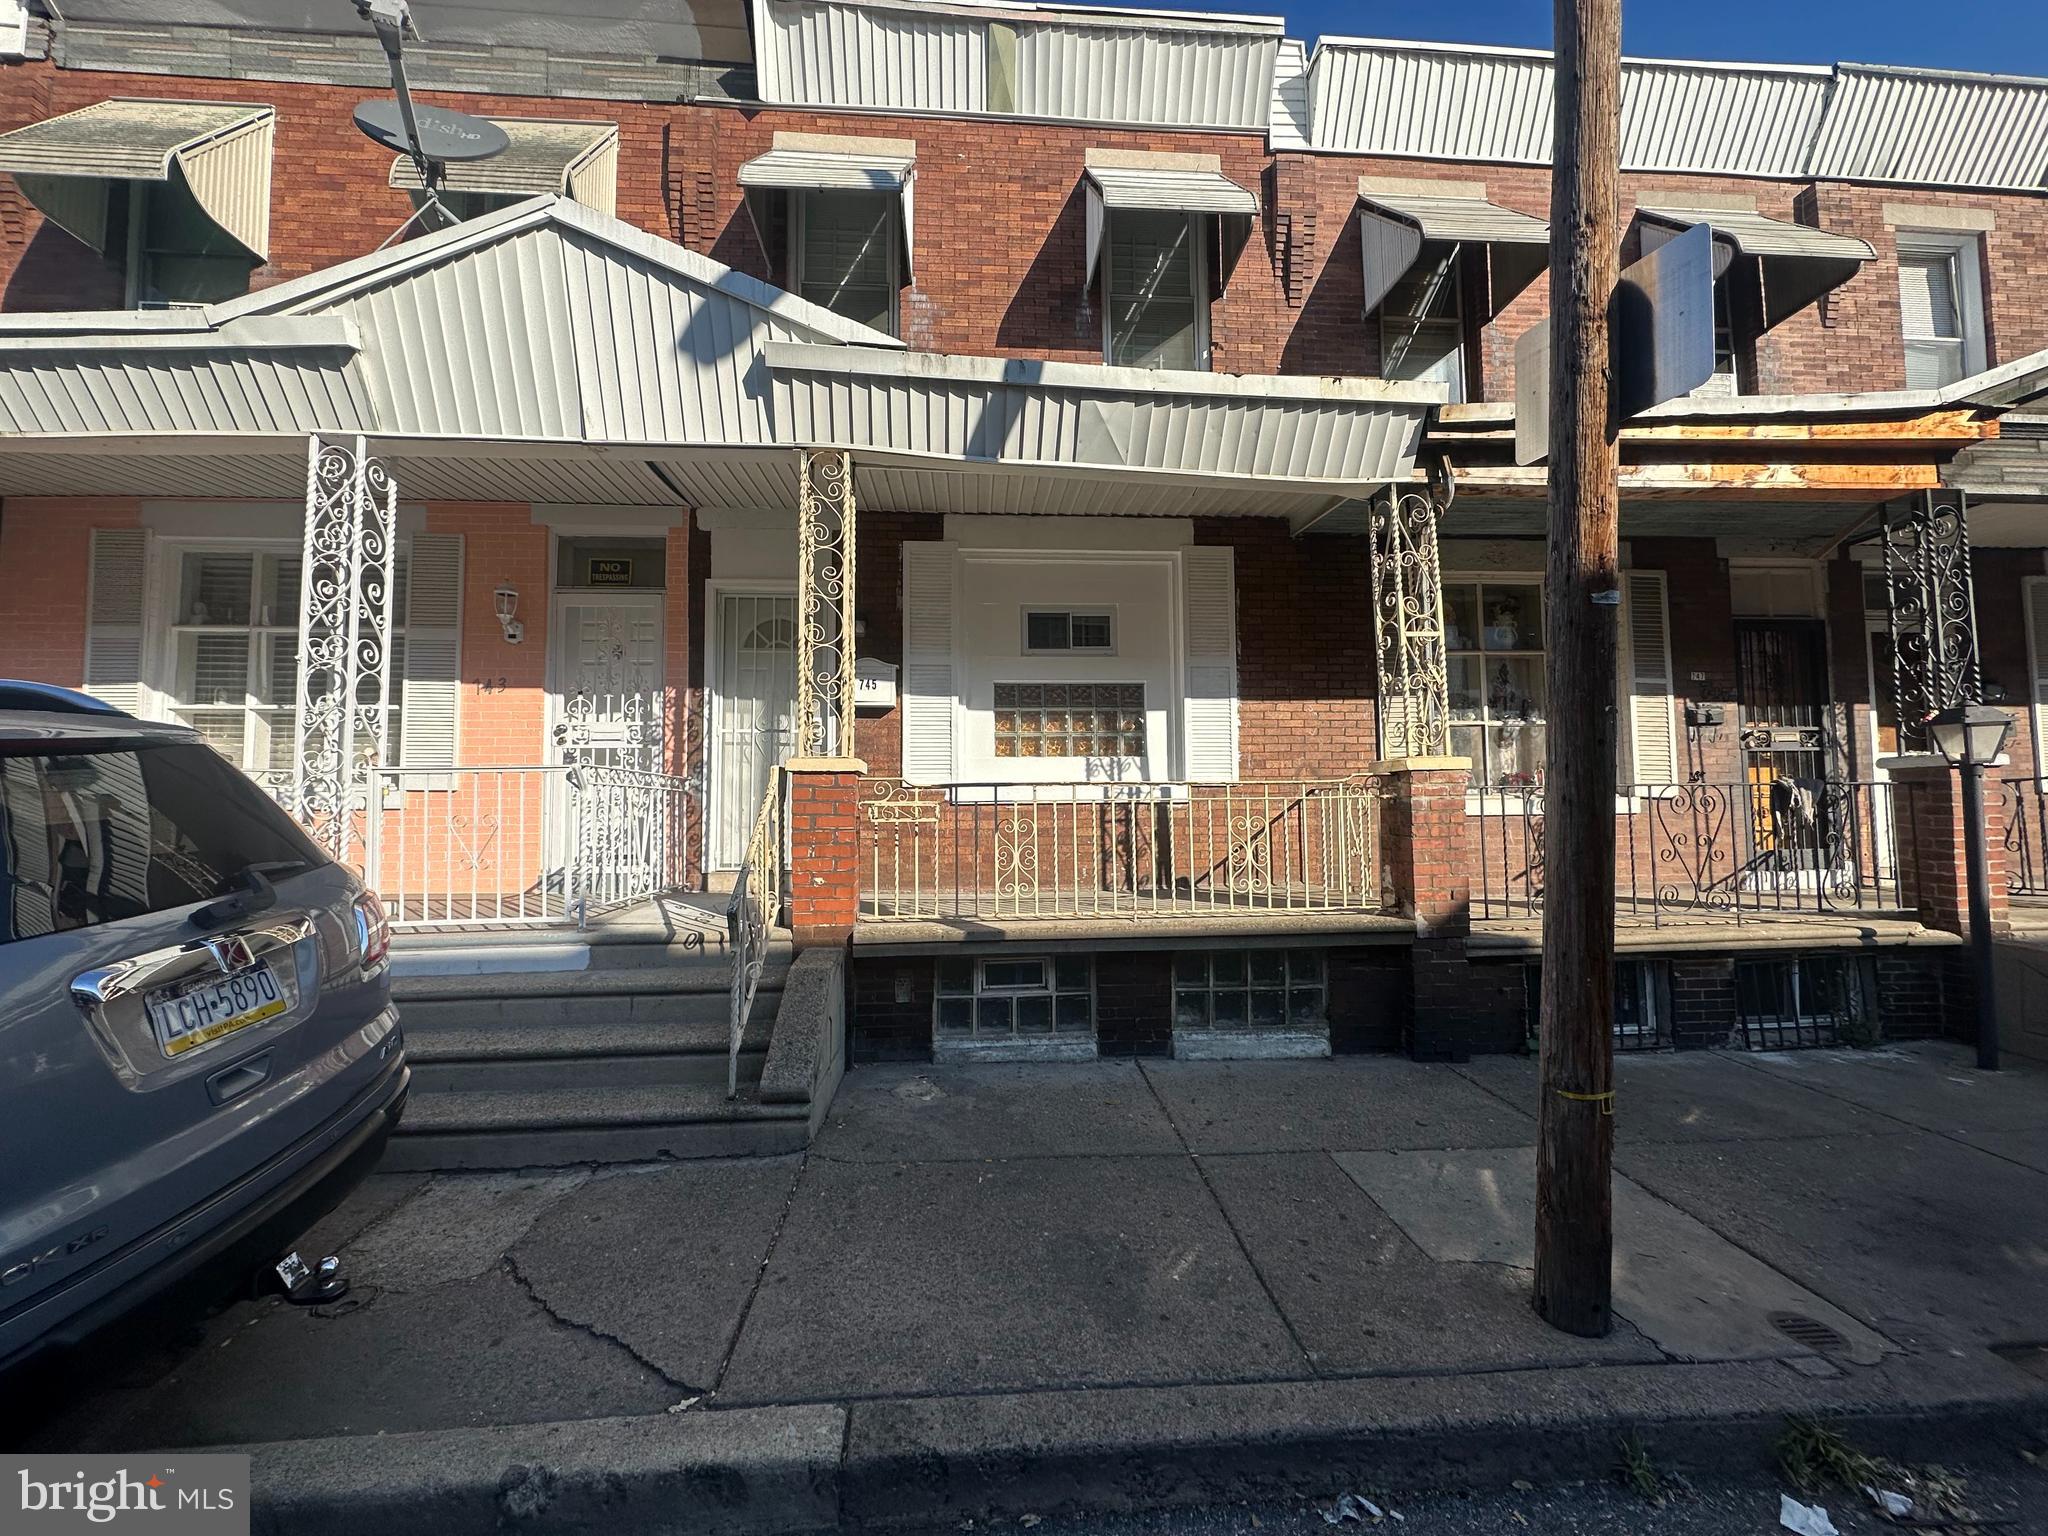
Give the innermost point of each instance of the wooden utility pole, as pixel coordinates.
(1575, 1138)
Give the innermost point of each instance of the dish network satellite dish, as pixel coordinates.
(431, 136)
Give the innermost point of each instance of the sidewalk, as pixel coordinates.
(1007, 1287)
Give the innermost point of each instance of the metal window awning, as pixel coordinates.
(1800, 263)
(1394, 224)
(221, 150)
(546, 158)
(1177, 186)
(821, 163)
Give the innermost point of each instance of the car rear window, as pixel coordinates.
(107, 830)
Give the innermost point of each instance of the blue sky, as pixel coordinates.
(2010, 38)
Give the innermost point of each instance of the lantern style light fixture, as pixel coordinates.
(505, 603)
(1970, 735)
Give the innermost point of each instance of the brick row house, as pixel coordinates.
(1036, 490)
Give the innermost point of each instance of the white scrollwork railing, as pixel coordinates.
(522, 846)
(754, 913)
(1109, 850)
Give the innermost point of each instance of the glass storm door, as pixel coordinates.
(754, 708)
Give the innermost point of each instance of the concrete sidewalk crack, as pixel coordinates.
(1308, 1358)
(591, 1330)
(739, 1327)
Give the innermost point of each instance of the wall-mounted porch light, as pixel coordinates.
(505, 603)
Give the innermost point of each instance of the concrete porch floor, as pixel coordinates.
(979, 1235)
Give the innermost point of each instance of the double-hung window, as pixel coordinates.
(1156, 303)
(1422, 325)
(177, 254)
(233, 667)
(1493, 634)
(843, 254)
(1941, 316)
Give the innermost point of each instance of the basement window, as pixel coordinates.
(1800, 1003)
(1008, 999)
(1248, 989)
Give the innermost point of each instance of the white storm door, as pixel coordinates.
(753, 704)
(608, 680)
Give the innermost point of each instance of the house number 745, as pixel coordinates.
(490, 685)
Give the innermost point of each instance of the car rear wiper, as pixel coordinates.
(257, 894)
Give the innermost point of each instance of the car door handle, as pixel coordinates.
(233, 1082)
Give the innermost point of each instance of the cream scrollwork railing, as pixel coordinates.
(754, 913)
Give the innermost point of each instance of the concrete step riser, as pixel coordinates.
(641, 957)
(576, 1073)
(590, 1144)
(422, 1014)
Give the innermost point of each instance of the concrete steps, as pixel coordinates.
(622, 1063)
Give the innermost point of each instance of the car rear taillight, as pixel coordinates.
(373, 931)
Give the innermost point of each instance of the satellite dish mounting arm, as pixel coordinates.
(394, 24)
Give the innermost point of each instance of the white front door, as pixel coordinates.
(753, 707)
(607, 698)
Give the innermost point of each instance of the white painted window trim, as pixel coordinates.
(1965, 252)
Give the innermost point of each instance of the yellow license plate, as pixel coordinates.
(196, 1017)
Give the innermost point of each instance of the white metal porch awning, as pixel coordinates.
(220, 150)
(808, 162)
(1800, 263)
(1165, 184)
(546, 158)
(1394, 221)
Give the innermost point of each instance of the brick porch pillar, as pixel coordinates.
(1425, 849)
(824, 852)
(1927, 821)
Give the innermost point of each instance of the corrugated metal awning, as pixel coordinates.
(1394, 221)
(1165, 184)
(1800, 263)
(221, 150)
(546, 158)
(828, 163)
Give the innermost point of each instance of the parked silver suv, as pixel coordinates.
(198, 1052)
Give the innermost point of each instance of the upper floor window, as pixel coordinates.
(1156, 305)
(1422, 321)
(176, 254)
(844, 256)
(1941, 310)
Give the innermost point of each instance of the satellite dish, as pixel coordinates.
(444, 135)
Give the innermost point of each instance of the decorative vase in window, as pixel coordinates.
(198, 611)
(1503, 625)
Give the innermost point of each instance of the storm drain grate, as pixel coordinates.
(1810, 1331)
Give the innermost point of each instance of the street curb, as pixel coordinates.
(746, 1472)
(774, 1471)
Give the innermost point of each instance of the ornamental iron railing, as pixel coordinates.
(1118, 850)
(1931, 611)
(2022, 806)
(755, 912)
(1712, 852)
(1408, 620)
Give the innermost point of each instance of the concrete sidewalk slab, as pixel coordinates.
(1362, 1297)
(1004, 1275)
(900, 1114)
(723, 1474)
(1932, 1084)
(1692, 1292)
(661, 1259)
(1923, 1238)
(1668, 1096)
(1351, 1102)
(457, 1228)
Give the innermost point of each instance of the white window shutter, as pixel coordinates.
(1653, 709)
(1209, 625)
(930, 689)
(113, 636)
(2037, 653)
(433, 652)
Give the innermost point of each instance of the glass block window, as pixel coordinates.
(235, 642)
(1792, 1004)
(1070, 719)
(1248, 989)
(1493, 632)
(1005, 998)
